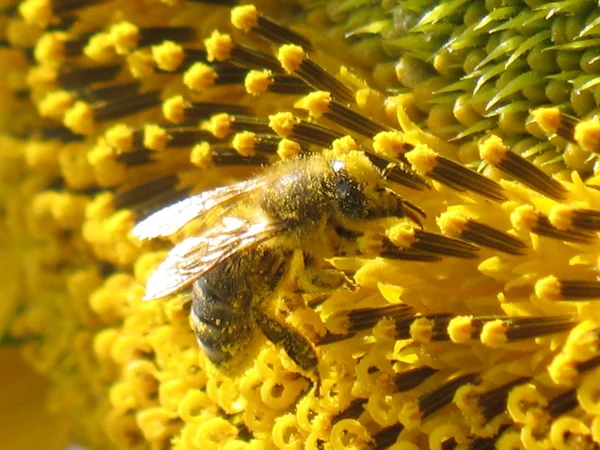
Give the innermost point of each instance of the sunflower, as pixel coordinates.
(478, 330)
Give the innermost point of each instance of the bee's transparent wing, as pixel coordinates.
(197, 255)
(171, 219)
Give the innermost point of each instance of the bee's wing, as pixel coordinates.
(197, 255)
(171, 219)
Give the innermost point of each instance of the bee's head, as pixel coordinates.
(360, 191)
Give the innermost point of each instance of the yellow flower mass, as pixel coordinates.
(478, 330)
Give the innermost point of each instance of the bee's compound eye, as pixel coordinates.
(349, 196)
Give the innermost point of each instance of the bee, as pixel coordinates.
(244, 240)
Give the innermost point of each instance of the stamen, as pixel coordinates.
(136, 157)
(71, 77)
(201, 76)
(590, 364)
(414, 412)
(60, 133)
(525, 218)
(405, 236)
(305, 133)
(178, 110)
(563, 403)
(81, 117)
(74, 46)
(565, 217)
(365, 318)
(387, 437)
(139, 196)
(397, 171)
(553, 121)
(460, 227)
(423, 329)
(391, 251)
(60, 7)
(321, 104)
(223, 156)
(493, 403)
(222, 125)
(127, 37)
(587, 135)
(410, 379)
(123, 106)
(494, 152)
(497, 332)
(287, 149)
(551, 288)
(488, 443)
(259, 82)
(248, 19)
(193, 55)
(353, 411)
(295, 61)
(108, 93)
(427, 162)
(247, 143)
(220, 47)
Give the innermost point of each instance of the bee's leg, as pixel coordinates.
(298, 348)
(319, 277)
